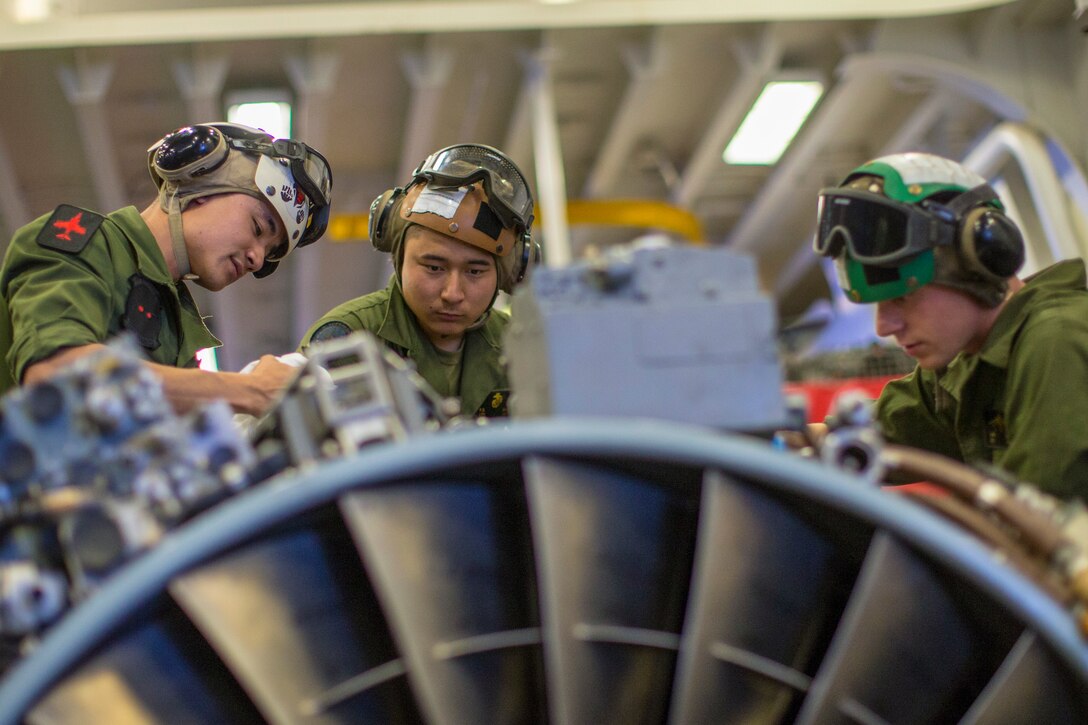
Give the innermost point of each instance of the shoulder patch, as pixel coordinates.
(69, 229)
(329, 331)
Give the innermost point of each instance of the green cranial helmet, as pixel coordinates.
(903, 221)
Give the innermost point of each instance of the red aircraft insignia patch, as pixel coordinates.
(69, 229)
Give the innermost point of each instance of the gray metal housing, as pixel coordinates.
(649, 330)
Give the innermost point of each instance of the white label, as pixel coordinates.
(443, 202)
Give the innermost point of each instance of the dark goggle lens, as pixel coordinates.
(872, 231)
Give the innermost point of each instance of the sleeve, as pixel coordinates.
(908, 415)
(55, 299)
(1046, 403)
(361, 313)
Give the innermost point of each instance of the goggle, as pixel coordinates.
(879, 231)
(465, 164)
(311, 172)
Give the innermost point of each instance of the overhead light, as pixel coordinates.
(31, 11)
(265, 109)
(773, 121)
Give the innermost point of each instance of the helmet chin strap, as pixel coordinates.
(482, 321)
(487, 313)
(177, 239)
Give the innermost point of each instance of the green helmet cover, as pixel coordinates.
(865, 283)
(909, 178)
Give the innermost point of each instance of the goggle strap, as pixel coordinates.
(978, 196)
(177, 235)
(295, 153)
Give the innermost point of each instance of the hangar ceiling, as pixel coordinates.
(599, 101)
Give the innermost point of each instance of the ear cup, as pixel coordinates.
(514, 267)
(188, 152)
(378, 225)
(990, 243)
(529, 252)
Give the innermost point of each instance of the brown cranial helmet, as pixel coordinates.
(470, 192)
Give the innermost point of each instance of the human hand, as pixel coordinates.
(267, 377)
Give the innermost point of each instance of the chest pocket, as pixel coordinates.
(143, 311)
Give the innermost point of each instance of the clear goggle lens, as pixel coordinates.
(465, 164)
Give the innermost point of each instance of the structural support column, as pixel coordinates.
(85, 84)
(200, 82)
(13, 204)
(312, 77)
(550, 180)
(428, 73)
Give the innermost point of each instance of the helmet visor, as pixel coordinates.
(465, 164)
(876, 230)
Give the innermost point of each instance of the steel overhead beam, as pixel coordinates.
(644, 64)
(756, 65)
(378, 18)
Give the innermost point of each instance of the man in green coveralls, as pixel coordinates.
(232, 200)
(1002, 375)
(459, 232)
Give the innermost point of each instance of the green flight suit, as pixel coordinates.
(73, 277)
(482, 385)
(1021, 402)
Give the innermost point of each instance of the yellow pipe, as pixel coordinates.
(641, 213)
(637, 213)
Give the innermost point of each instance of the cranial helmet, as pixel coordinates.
(471, 192)
(220, 158)
(899, 222)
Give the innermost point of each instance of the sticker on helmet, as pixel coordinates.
(443, 202)
(285, 195)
